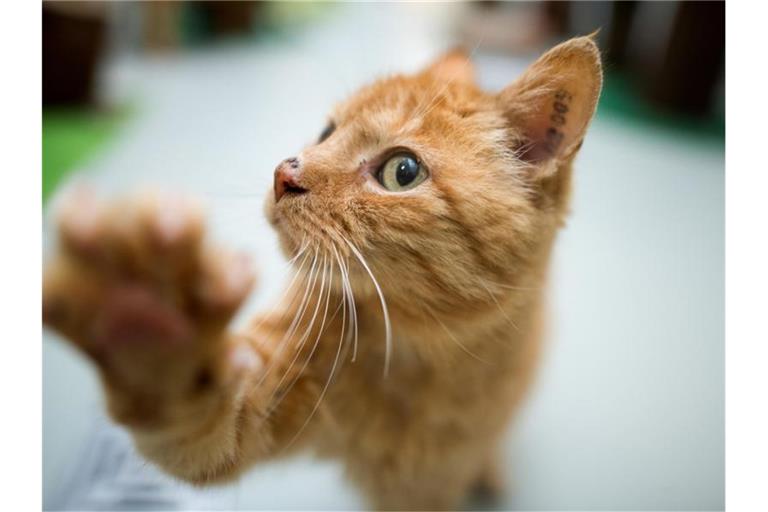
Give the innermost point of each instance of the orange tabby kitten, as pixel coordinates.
(420, 226)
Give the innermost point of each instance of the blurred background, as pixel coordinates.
(628, 412)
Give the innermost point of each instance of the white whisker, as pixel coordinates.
(297, 317)
(302, 341)
(314, 346)
(353, 305)
(279, 303)
(350, 296)
(322, 393)
(384, 309)
(301, 250)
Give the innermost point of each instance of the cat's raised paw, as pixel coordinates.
(134, 284)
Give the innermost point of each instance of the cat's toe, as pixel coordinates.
(174, 220)
(226, 280)
(81, 223)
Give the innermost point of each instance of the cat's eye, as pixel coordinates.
(327, 131)
(401, 172)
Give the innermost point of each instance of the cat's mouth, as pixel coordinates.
(293, 190)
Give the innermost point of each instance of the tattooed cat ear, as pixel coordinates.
(552, 103)
(454, 66)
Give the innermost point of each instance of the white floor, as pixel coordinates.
(629, 409)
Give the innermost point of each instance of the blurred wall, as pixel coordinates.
(672, 52)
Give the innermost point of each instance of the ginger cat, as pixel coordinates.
(419, 229)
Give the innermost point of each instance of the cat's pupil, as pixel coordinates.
(407, 170)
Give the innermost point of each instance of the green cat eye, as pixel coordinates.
(401, 172)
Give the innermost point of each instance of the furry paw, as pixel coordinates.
(134, 285)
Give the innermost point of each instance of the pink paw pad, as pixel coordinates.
(133, 315)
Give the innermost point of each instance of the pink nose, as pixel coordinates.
(287, 176)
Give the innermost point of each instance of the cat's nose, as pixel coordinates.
(287, 178)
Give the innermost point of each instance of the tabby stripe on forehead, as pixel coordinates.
(475, 245)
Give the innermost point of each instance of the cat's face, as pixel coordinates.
(442, 188)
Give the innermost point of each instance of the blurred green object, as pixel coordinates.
(620, 98)
(201, 24)
(70, 137)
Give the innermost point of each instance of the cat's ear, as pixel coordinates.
(552, 103)
(454, 66)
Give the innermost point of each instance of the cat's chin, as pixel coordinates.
(269, 208)
(288, 246)
(277, 216)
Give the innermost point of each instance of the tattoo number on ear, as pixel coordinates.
(563, 95)
(560, 108)
(554, 138)
(557, 119)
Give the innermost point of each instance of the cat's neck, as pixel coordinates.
(432, 337)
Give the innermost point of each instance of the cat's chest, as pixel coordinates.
(409, 406)
(431, 380)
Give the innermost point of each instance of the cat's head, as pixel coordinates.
(447, 192)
